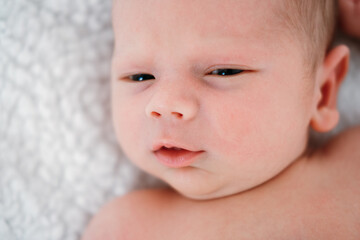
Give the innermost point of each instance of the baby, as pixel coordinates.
(216, 98)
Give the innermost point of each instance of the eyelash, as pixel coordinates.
(220, 72)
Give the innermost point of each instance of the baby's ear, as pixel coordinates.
(334, 69)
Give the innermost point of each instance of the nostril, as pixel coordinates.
(178, 115)
(155, 114)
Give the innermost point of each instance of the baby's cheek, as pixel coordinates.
(233, 128)
(122, 124)
(249, 127)
(126, 123)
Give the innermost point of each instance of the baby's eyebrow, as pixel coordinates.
(126, 61)
(197, 65)
(201, 58)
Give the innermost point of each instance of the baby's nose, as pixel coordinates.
(172, 105)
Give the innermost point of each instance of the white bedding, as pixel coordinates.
(59, 161)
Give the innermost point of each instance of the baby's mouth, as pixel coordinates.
(173, 148)
(175, 157)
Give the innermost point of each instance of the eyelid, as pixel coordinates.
(235, 67)
(208, 71)
(237, 72)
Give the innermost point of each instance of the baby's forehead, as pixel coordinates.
(223, 17)
(222, 14)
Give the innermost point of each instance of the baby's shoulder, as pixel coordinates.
(127, 217)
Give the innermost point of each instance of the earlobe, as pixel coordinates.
(325, 120)
(334, 69)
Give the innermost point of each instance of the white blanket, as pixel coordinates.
(59, 161)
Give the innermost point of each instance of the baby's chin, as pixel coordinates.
(208, 193)
(201, 185)
(197, 188)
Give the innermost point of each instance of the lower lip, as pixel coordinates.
(176, 158)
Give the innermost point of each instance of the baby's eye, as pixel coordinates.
(226, 72)
(141, 77)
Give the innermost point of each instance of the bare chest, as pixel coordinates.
(302, 210)
(321, 220)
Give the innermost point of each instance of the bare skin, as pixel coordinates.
(317, 197)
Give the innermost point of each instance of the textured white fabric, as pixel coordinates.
(59, 161)
(58, 157)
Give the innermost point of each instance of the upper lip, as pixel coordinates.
(171, 144)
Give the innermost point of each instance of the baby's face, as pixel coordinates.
(218, 76)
